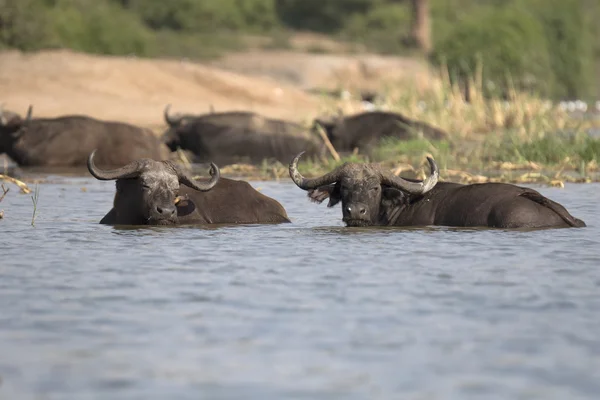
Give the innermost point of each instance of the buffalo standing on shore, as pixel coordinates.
(68, 140)
(371, 196)
(365, 130)
(238, 136)
(160, 193)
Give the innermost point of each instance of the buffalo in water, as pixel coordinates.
(153, 192)
(237, 136)
(371, 196)
(67, 141)
(365, 130)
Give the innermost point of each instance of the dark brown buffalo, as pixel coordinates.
(371, 196)
(149, 193)
(365, 130)
(238, 136)
(68, 140)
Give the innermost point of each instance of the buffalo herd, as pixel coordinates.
(151, 189)
(221, 137)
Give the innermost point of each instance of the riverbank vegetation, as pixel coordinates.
(520, 138)
(549, 46)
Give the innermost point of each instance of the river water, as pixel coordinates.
(295, 311)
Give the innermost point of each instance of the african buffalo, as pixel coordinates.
(236, 136)
(365, 130)
(371, 196)
(149, 193)
(68, 140)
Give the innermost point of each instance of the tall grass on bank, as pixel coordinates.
(34, 198)
(497, 138)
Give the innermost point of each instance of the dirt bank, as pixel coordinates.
(136, 90)
(328, 71)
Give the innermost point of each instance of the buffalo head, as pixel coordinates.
(148, 190)
(176, 123)
(12, 126)
(362, 189)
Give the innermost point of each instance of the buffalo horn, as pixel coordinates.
(201, 186)
(308, 184)
(29, 112)
(413, 187)
(131, 170)
(176, 121)
(170, 120)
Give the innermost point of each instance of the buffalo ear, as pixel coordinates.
(392, 196)
(335, 195)
(321, 193)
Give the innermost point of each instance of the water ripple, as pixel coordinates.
(304, 310)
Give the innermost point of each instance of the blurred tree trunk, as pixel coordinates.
(420, 30)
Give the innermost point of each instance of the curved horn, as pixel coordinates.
(413, 187)
(308, 184)
(171, 121)
(201, 186)
(131, 170)
(176, 121)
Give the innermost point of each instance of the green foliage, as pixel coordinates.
(381, 27)
(510, 45)
(98, 27)
(207, 15)
(570, 44)
(547, 45)
(322, 16)
(23, 24)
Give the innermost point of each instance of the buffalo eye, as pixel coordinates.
(146, 186)
(375, 188)
(179, 198)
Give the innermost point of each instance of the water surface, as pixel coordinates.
(297, 311)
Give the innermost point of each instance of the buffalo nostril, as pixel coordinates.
(349, 209)
(165, 210)
(363, 211)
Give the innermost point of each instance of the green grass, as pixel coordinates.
(551, 149)
(551, 159)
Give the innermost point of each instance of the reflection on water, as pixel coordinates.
(308, 310)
